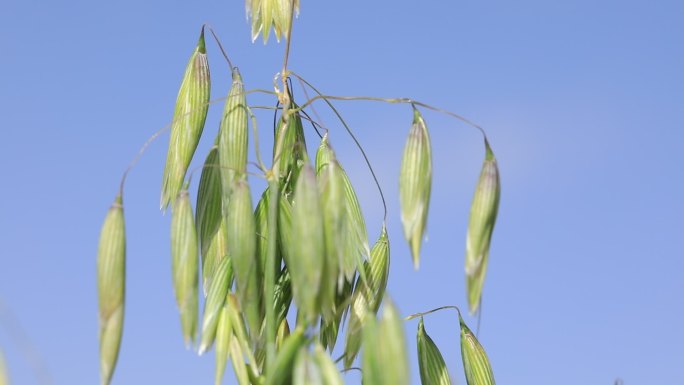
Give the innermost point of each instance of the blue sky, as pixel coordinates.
(582, 101)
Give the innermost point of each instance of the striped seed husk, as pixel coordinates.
(305, 371)
(282, 333)
(483, 212)
(371, 366)
(233, 137)
(241, 238)
(216, 297)
(189, 116)
(315, 367)
(261, 220)
(330, 327)
(239, 367)
(285, 239)
(241, 348)
(303, 258)
(293, 152)
(336, 236)
(267, 13)
(329, 372)
(433, 369)
(185, 265)
(478, 370)
(282, 295)
(349, 238)
(385, 347)
(281, 372)
(224, 336)
(415, 184)
(111, 284)
(367, 297)
(393, 345)
(208, 216)
(217, 252)
(261, 223)
(230, 341)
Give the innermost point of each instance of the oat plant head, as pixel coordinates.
(287, 284)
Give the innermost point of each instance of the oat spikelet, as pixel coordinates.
(433, 369)
(270, 13)
(483, 211)
(478, 370)
(185, 264)
(111, 282)
(189, 116)
(415, 184)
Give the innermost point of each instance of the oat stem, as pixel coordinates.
(156, 135)
(416, 315)
(394, 101)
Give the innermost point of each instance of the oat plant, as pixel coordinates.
(279, 286)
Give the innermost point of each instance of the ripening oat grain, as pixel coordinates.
(415, 184)
(233, 133)
(188, 122)
(267, 13)
(483, 213)
(384, 356)
(185, 264)
(433, 369)
(329, 372)
(336, 235)
(224, 337)
(282, 295)
(281, 373)
(305, 370)
(304, 257)
(111, 283)
(240, 347)
(304, 246)
(241, 238)
(476, 365)
(208, 218)
(346, 236)
(216, 297)
(292, 155)
(261, 225)
(367, 297)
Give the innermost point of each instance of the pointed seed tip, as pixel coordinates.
(202, 349)
(201, 46)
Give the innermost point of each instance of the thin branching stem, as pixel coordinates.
(416, 315)
(316, 125)
(255, 132)
(287, 43)
(218, 166)
(349, 131)
(306, 94)
(350, 369)
(156, 135)
(395, 101)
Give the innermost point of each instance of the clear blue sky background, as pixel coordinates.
(582, 100)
